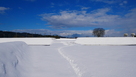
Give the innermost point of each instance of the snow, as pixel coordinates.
(14, 58)
(47, 62)
(103, 61)
(29, 41)
(106, 41)
(65, 58)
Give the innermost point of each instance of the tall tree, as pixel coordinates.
(99, 32)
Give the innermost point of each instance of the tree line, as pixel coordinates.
(9, 34)
(98, 32)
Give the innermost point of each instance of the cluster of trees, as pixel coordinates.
(132, 35)
(17, 34)
(99, 32)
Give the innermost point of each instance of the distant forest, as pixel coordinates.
(9, 34)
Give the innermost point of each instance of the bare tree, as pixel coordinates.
(99, 32)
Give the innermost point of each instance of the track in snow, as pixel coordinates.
(71, 62)
(48, 62)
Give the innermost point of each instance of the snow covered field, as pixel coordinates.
(106, 41)
(29, 41)
(65, 58)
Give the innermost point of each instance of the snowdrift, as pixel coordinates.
(29, 41)
(106, 41)
(13, 59)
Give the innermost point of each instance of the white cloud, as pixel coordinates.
(96, 18)
(3, 9)
(66, 19)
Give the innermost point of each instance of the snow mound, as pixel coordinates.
(106, 41)
(13, 58)
(29, 41)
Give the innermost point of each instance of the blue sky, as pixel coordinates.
(68, 17)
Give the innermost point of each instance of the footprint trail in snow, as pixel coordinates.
(71, 62)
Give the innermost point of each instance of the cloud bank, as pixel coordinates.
(75, 18)
(96, 18)
(116, 24)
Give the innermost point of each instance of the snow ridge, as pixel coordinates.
(12, 64)
(71, 62)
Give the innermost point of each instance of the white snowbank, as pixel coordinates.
(102, 61)
(29, 41)
(13, 59)
(106, 41)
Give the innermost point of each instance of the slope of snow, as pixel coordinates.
(102, 61)
(106, 41)
(29, 41)
(64, 58)
(13, 59)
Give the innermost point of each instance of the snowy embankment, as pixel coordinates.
(29, 41)
(13, 59)
(106, 41)
(64, 58)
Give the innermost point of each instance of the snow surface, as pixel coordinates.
(14, 59)
(64, 58)
(102, 61)
(29, 41)
(106, 41)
